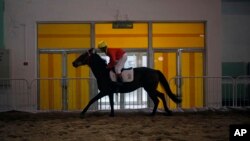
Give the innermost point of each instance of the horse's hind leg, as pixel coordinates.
(155, 100)
(162, 97)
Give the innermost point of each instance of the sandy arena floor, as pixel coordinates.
(125, 126)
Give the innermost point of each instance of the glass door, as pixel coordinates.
(59, 86)
(135, 41)
(179, 50)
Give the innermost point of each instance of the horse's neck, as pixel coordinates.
(99, 70)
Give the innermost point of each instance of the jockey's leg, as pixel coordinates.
(119, 66)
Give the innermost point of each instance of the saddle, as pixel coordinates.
(127, 75)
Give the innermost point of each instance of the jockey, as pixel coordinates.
(117, 57)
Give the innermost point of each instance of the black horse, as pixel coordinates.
(143, 77)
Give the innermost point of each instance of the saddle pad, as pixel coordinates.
(127, 75)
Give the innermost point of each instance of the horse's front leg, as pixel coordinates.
(98, 96)
(111, 101)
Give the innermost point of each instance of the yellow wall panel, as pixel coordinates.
(50, 90)
(57, 86)
(79, 87)
(128, 42)
(64, 43)
(178, 35)
(166, 63)
(136, 37)
(185, 84)
(178, 42)
(63, 36)
(43, 63)
(57, 96)
(106, 28)
(44, 102)
(170, 73)
(192, 88)
(57, 65)
(199, 62)
(158, 61)
(178, 28)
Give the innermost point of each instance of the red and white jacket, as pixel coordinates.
(115, 54)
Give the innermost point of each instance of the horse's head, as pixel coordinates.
(84, 58)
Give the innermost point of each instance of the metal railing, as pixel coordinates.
(214, 92)
(74, 93)
(242, 91)
(202, 91)
(56, 94)
(14, 95)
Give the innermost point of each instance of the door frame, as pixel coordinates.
(64, 76)
(179, 52)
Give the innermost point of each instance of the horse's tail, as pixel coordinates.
(165, 84)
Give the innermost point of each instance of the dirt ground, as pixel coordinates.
(125, 126)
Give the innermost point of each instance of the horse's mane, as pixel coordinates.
(100, 61)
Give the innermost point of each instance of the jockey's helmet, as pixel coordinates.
(102, 44)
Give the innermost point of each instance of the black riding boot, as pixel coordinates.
(118, 82)
(119, 78)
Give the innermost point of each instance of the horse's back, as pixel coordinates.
(143, 69)
(145, 73)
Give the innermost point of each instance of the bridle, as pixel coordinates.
(89, 57)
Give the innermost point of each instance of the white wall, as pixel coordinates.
(21, 17)
(236, 31)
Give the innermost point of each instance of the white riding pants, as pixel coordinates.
(120, 64)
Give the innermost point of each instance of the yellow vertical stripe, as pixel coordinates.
(182, 35)
(78, 89)
(51, 83)
(158, 61)
(57, 73)
(166, 62)
(62, 36)
(192, 81)
(44, 96)
(172, 73)
(186, 82)
(199, 82)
